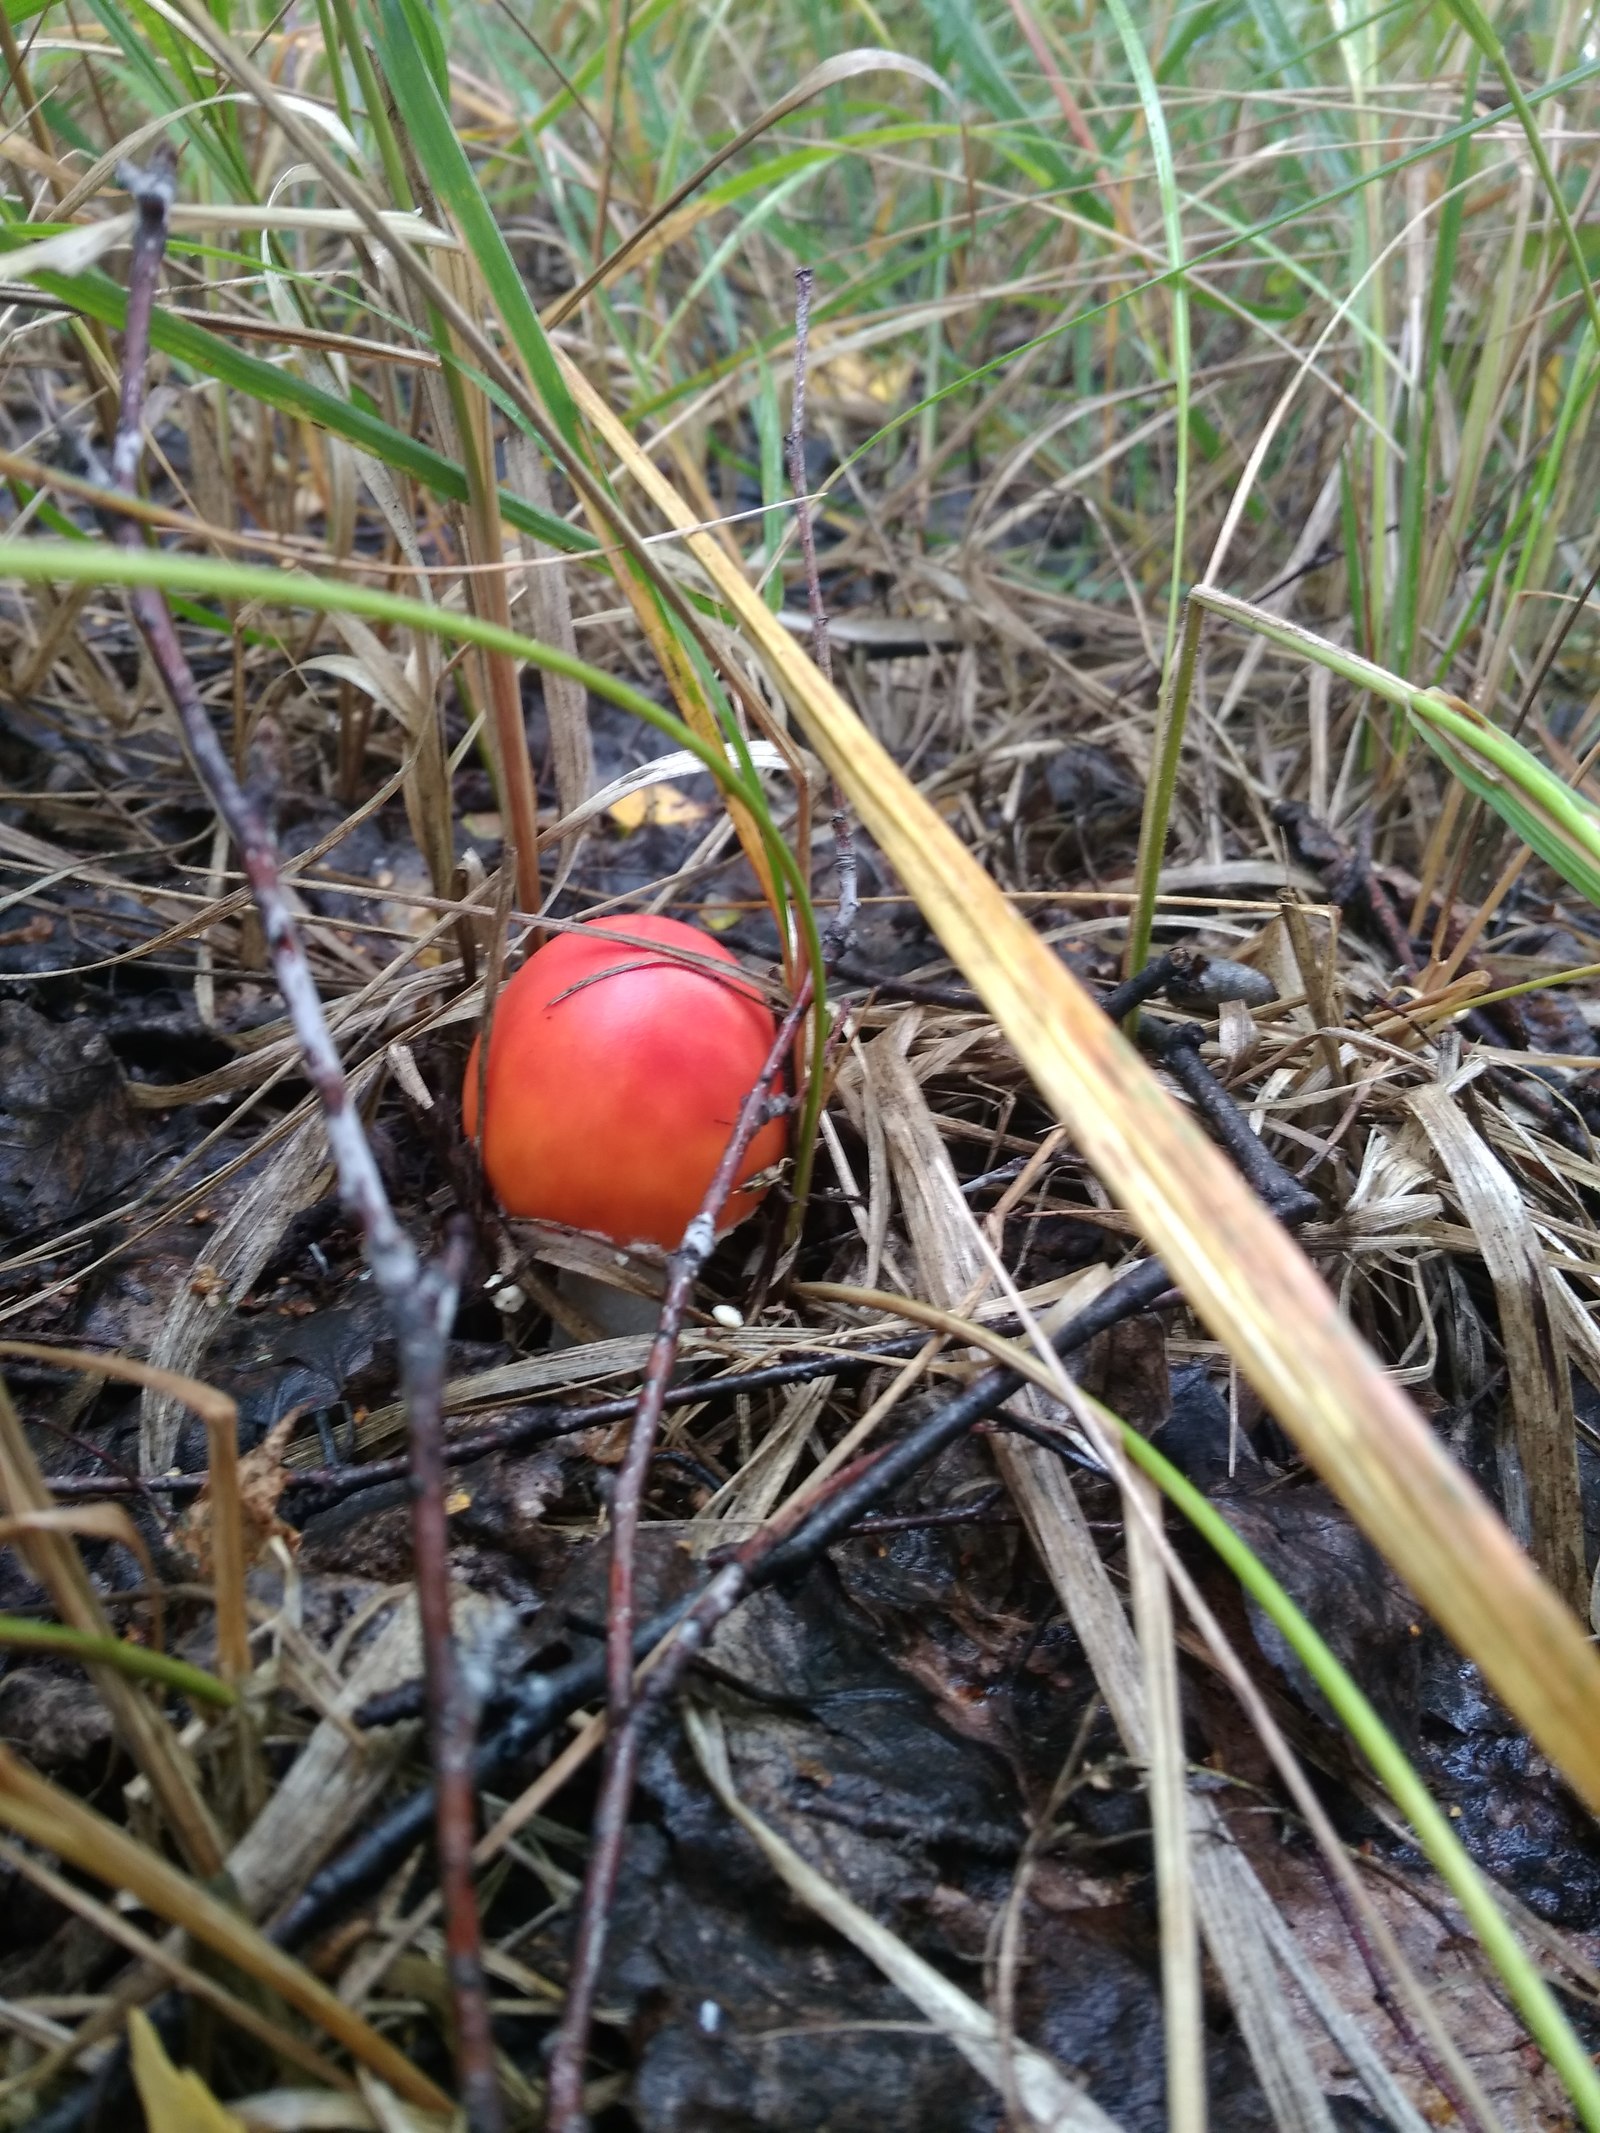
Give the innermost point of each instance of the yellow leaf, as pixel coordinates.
(664, 805)
(174, 2098)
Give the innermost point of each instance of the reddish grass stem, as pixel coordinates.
(421, 1300)
(565, 2112)
(842, 924)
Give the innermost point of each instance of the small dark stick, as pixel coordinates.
(421, 1300)
(842, 924)
(565, 2105)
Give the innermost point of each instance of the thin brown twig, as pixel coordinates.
(565, 2108)
(421, 1300)
(821, 651)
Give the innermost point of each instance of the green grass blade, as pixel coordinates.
(207, 353)
(18, 1634)
(434, 140)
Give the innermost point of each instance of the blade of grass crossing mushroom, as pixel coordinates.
(1250, 1283)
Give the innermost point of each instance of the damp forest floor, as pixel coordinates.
(1004, 1798)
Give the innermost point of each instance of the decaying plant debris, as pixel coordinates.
(814, 1713)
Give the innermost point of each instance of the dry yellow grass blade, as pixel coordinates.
(54, 1820)
(54, 1560)
(221, 1418)
(1244, 1276)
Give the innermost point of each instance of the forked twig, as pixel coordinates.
(421, 1300)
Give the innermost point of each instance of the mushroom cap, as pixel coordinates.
(616, 1075)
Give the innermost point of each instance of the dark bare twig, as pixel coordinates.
(1133, 992)
(421, 1300)
(565, 2105)
(535, 1425)
(389, 1253)
(842, 925)
(961, 999)
(821, 652)
(1177, 1050)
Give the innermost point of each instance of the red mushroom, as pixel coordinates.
(616, 1073)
